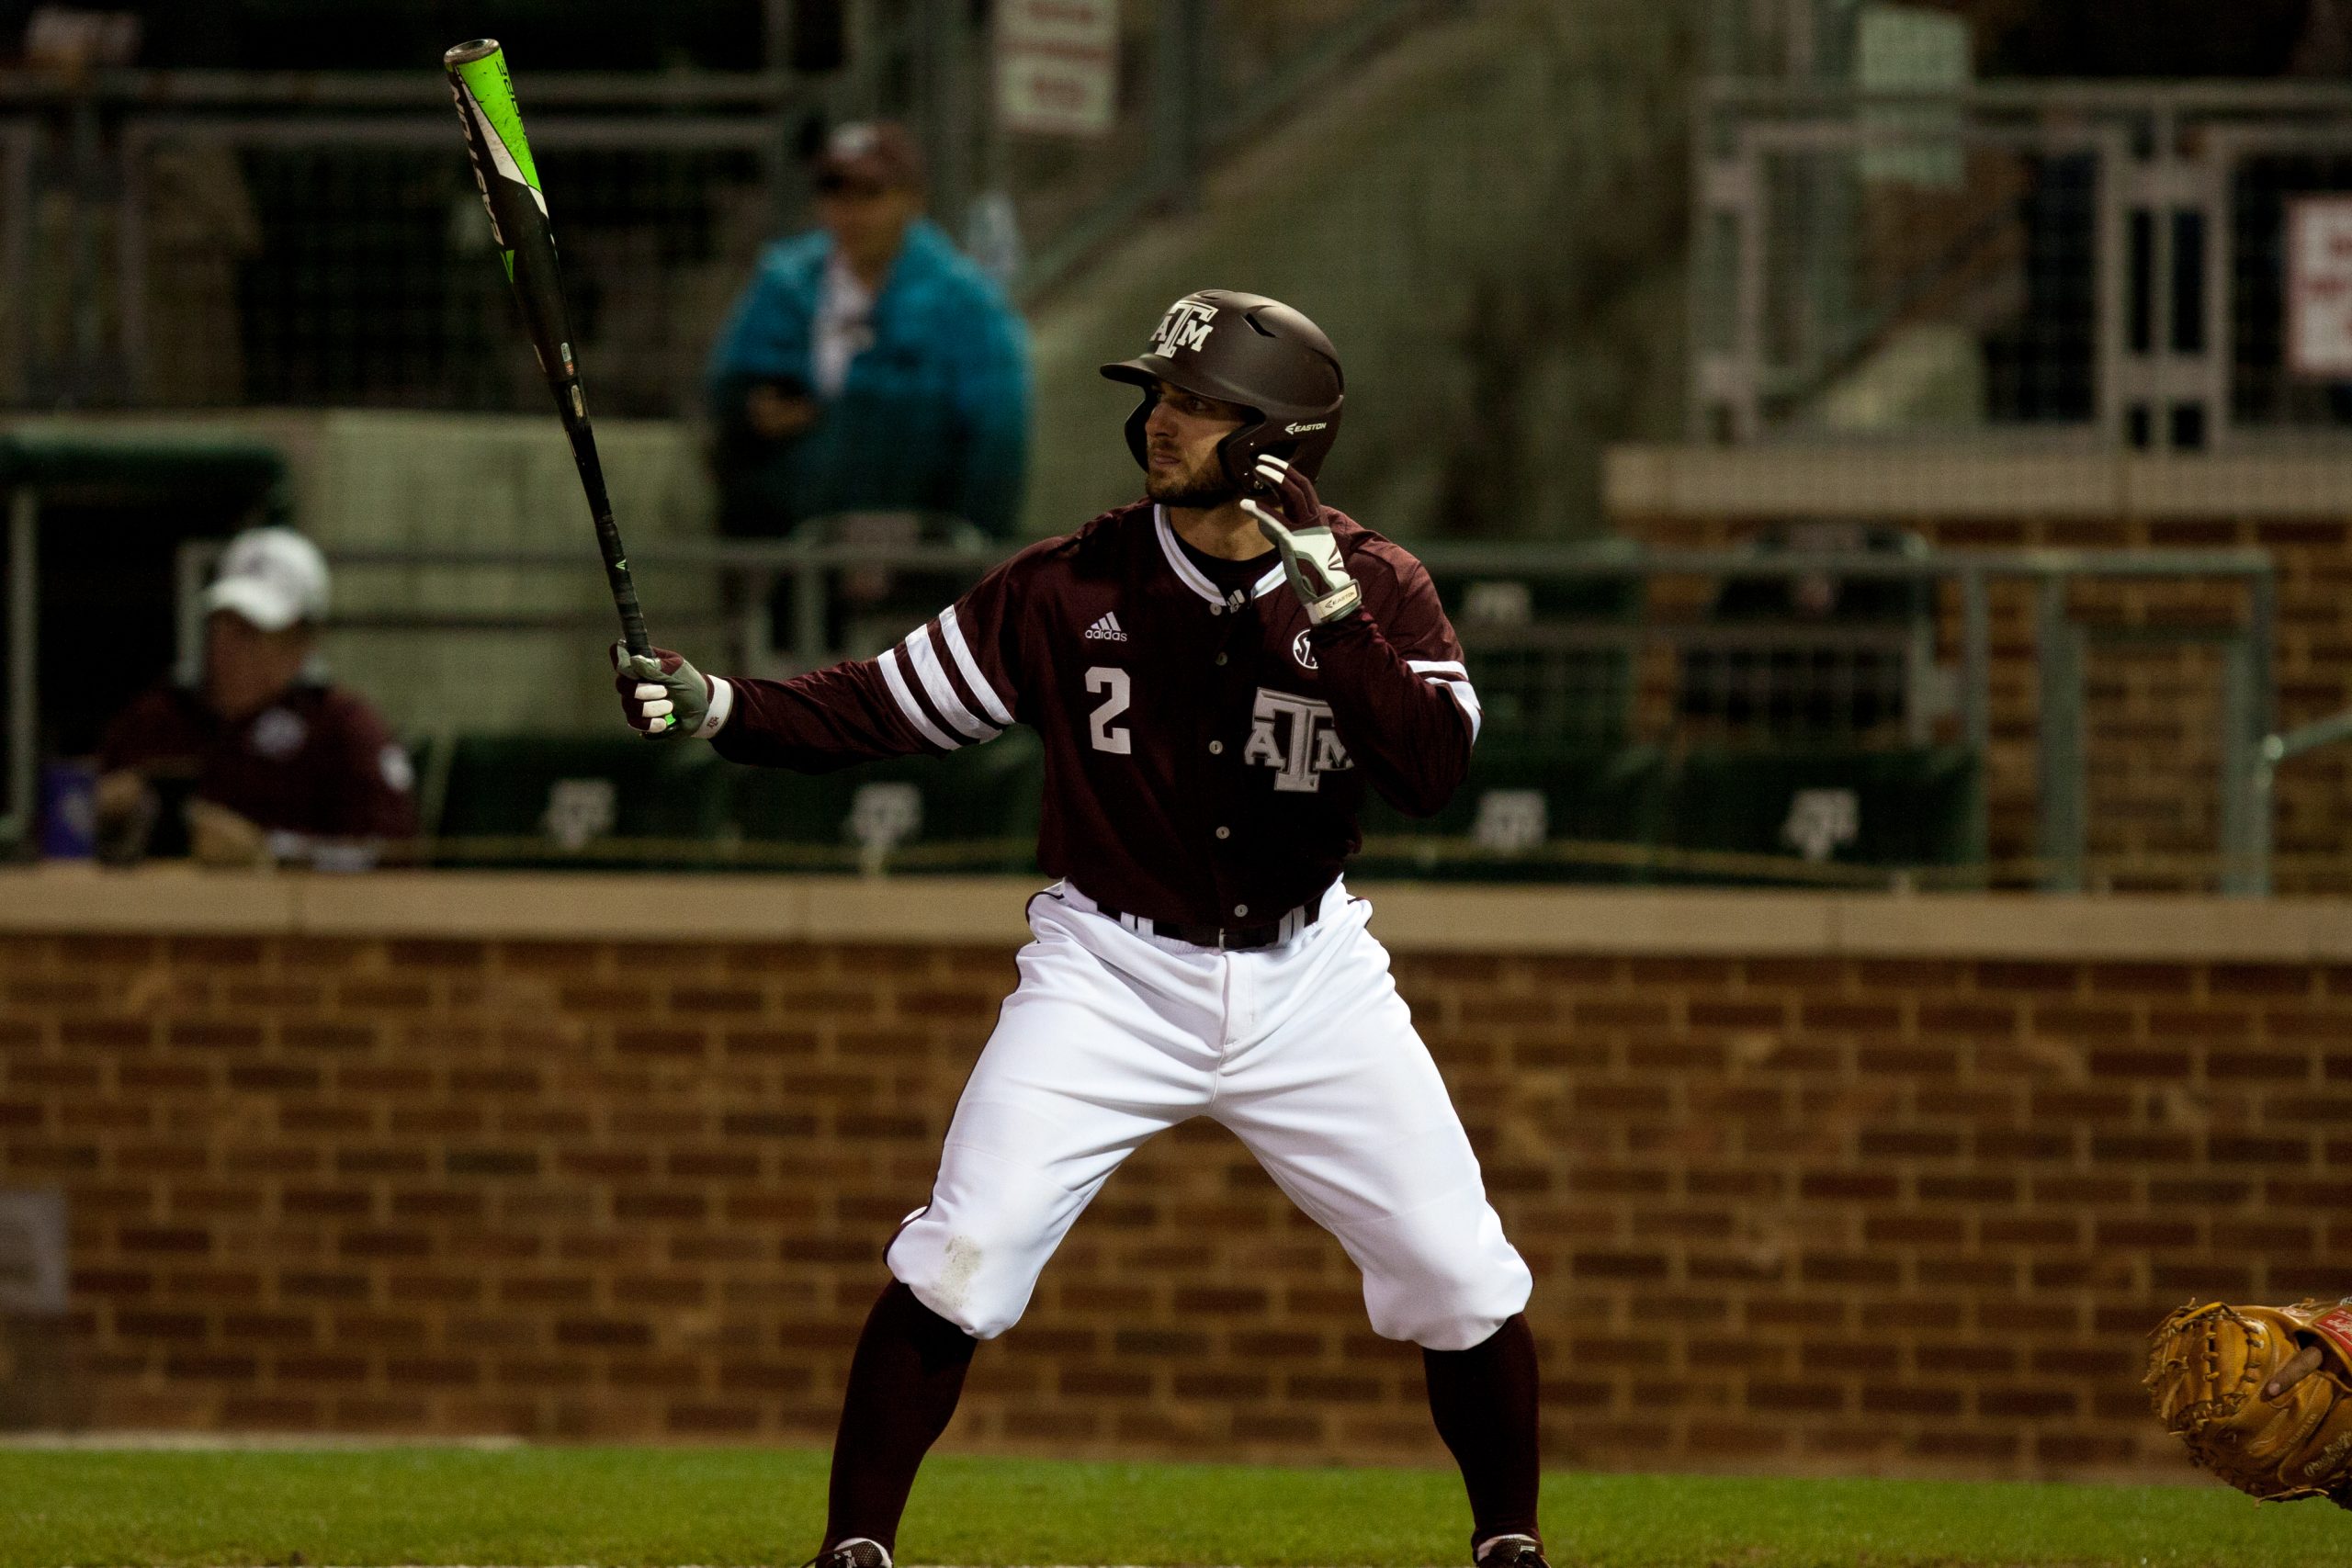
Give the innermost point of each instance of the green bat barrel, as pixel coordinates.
(518, 221)
(518, 209)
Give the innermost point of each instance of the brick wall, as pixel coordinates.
(1890, 1212)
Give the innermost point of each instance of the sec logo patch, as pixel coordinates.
(1302, 650)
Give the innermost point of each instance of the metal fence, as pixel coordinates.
(1621, 651)
(2102, 262)
(205, 239)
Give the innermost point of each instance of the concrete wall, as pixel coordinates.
(1489, 220)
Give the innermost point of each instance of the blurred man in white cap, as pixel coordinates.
(276, 763)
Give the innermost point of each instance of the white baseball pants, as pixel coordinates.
(1305, 1051)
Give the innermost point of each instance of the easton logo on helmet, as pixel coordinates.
(1186, 325)
(1302, 429)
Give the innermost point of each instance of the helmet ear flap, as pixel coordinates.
(1239, 453)
(1134, 427)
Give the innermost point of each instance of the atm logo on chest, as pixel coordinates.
(1295, 737)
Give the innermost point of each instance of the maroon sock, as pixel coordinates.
(903, 1384)
(1484, 1400)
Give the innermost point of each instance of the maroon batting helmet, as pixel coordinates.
(1254, 352)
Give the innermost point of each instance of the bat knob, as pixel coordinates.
(466, 53)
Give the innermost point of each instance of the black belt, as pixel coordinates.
(1231, 939)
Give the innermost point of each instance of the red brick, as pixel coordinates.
(552, 1200)
(2013, 975)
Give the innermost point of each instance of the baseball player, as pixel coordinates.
(1218, 674)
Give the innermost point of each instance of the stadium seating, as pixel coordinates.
(1820, 809)
(1529, 812)
(564, 801)
(971, 810)
(1575, 813)
(547, 800)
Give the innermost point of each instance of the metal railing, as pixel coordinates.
(2095, 261)
(1632, 672)
(195, 239)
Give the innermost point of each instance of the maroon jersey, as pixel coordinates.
(318, 762)
(1206, 752)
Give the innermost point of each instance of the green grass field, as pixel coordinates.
(757, 1505)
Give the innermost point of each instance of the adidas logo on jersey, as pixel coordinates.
(1106, 630)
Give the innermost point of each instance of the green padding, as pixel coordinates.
(1910, 807)
(1600, 809)
(514, 799)
(978, 809)
(85, 468)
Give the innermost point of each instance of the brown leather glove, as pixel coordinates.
(2261, 1395)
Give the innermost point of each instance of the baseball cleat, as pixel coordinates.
(855, 1553)
(1510, 1551)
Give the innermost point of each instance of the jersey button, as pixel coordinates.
(1225, 832)
(1242, 908)
(1216, 748)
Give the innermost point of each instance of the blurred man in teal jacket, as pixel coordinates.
(870, 367)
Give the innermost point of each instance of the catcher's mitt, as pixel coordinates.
(2206, 1371)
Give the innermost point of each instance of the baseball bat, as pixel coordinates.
(518, 221)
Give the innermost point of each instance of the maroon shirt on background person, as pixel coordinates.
(1207, 753)
(318, 762)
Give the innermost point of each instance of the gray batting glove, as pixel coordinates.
(1309, 551)
(662, 696)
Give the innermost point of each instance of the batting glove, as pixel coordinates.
(662, 696)
(1310, 553)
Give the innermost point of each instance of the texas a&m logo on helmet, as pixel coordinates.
(1187, 325)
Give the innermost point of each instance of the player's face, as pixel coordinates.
(246, 668)
(869, 223)
(1181, 438)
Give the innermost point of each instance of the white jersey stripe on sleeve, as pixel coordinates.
(924, 659)
(1467, 698)
(962, 653)
(1436, 667)
(909, 707)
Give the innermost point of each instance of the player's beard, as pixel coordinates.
(1202, 485)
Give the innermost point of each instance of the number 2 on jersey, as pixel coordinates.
(1113, 683)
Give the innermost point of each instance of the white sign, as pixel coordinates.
(2319, 287)
(1822, 821)
(579, 810)
(1511, 821)
(1058, 66)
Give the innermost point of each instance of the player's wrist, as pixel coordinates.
(1338, 605)
(722, 707)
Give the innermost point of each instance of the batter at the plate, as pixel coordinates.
(1218, 672)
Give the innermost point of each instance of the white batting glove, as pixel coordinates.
(1310, 552)
(663, 696)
